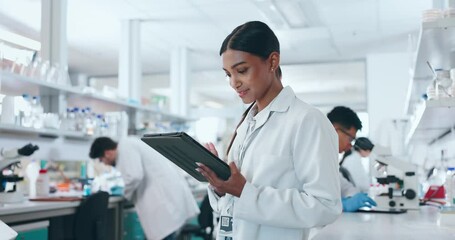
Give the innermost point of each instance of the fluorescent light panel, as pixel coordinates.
(292, 12)
(270, 12)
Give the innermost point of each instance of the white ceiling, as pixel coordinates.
(323, 59)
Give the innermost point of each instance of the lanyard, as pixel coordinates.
(250, 134)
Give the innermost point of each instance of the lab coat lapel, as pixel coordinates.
(241, 131)
(281, 103)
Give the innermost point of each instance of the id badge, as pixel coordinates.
(226, 226)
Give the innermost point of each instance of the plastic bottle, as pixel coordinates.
(32, 172)
(83, 170)
(26, 120)
(449, 186)
(89, 124)
(37, 112)
(87, 190)
(71, 120)
(42, 184)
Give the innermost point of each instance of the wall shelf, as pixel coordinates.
(431, 120)
(436, 44)
(46, 133)
(17, 84)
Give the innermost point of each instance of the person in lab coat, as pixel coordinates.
(283, 156)
(160, 194)
(351, 162)
(347, 123)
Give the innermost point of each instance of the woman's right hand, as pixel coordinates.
(234, 185)
(211, 147)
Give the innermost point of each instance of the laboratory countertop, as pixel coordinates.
(28, 211)
(28, 206)
(415, 224)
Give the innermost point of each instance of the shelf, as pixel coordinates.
(431, 120)
(17, 84)
(47, 133)
(437, 46)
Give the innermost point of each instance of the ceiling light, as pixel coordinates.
(271, 13)
(292, 12)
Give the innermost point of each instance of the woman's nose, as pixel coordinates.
(234, 82)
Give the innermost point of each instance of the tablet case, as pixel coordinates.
(184, 151)
(388, 211)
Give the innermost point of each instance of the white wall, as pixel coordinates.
(387, 83)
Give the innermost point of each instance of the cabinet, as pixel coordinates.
(132, 229)
(56, 97)
(32, 231)
(433, 119)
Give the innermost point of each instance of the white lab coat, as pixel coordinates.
(159, 192)
(291, 168)
(347, 189)
(353, 163)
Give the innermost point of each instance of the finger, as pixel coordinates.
(203, 167)
(204, 170)
(206, 175)
(212, 148)
(372, 202)
(364, 204)
(233, 168)
(209, 174)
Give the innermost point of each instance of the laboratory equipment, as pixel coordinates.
(11, 160)
(402, 187)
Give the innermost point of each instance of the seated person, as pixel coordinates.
(347, 123)
(351, 165)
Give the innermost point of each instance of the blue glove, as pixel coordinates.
(352, 204)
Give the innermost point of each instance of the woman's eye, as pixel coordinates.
(242, 70)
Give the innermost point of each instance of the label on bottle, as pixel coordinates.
(42, 185)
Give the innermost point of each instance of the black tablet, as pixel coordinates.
(184, 151)
(387, 211)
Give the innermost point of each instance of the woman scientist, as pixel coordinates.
(283, 156)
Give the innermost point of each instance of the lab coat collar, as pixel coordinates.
(280, 103)
(284, 99)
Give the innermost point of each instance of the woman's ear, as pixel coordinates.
(274, 60)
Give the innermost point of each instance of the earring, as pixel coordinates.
(271, 69)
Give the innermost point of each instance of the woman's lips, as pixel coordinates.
(242, 93)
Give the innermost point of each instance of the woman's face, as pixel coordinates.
(252, 77)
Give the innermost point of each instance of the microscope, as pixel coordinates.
(402, 186)
(10, 160)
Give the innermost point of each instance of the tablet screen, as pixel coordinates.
(184, 151)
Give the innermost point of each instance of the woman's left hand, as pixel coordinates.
(234, 185)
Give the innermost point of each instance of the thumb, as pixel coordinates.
(233, 167)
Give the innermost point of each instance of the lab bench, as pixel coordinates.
(419, 224)
(59, 215)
